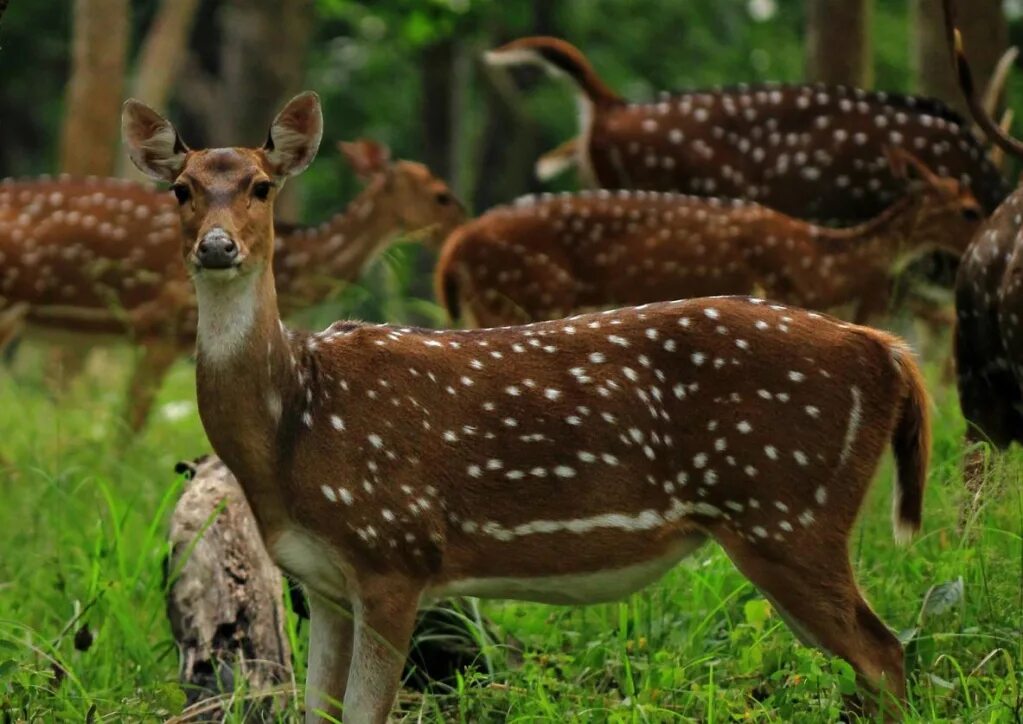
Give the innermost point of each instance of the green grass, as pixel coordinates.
(82, 535)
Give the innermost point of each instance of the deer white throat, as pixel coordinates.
(227, 312)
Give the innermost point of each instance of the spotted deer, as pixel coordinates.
(549, 256)
(812, 151)
(989, 302)
(90, 260)
(566, 462)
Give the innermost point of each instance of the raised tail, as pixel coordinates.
(559, 56)
(911, 443)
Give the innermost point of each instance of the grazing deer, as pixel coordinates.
(989, 301)
(547, 257)
(812, 151)
(88, 259)
(566, 462)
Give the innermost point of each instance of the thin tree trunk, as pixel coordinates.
(838, 48)
(89, 138)
(985, 34)
(160, 60)
(3, 8)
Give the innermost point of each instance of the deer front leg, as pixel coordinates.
(385, 615)
(330, 657)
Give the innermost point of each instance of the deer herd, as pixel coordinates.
(631, 369)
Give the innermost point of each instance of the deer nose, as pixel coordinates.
(217, 251)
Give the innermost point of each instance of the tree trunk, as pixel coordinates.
(160, 59)
(838, 42)
(223, 591)
(92, 112)
(985, 35)
(3, 8)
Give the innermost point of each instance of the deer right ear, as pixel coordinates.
(366, 157)
(295, 135)
(153, 144)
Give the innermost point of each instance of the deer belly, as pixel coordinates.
(575, 588)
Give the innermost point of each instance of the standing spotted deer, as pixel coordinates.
(812, 151)
(565, 462)
(547, 257)
(87, 260)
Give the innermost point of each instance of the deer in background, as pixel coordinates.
(548, 257)
(564, 462)
(989, 304)
(87, 260)
(812, 151)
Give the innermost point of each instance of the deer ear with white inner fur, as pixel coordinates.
(366, 157)
(295, 135)
(152, 143)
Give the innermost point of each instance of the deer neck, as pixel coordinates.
(340, 248)
(246, 380)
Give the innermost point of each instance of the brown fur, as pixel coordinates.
(555, 255)
(386, 465)
(812, 151)
(90, 259)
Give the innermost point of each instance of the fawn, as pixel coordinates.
(567, 462)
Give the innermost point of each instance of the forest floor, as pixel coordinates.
(83, 535)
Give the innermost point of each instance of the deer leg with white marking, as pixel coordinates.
(816, 591)
(330, 656)
(385, 615)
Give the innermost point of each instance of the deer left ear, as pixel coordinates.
(295, 135)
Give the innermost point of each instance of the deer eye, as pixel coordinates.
(971, 214)
(443, 198)
(181, 193)
(261, 190)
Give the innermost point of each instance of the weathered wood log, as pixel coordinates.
(223, 591)
(226, 608)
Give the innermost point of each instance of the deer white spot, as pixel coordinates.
(800, 457)
(387, 515)
(796, 376)
(620, 341)
(337, 423)
(564, 471)
(513, 390)
(759, 531)
(474, 471)
(609, 459)
(699, 460)
(821, 495)
(812, 411)
(552, 394)
(587, 457)
(806, 518)
(744, 427)
(328, 493)
(698, 358)
(771, 451)
(711, 313)
(597, 358)
(750, 471)
(346, 497)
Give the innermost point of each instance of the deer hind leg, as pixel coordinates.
(385, 615)
(813, 588)
(330, 655)
(157, 357)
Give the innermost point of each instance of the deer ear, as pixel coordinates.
(366, 157)
(295, 135)
(153, 144)
(901, 161)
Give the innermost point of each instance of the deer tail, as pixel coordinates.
(560, 57)
(911, 444)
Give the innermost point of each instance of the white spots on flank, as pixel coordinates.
(700, 460)
(821, 495)
(711, 313)
(801, 458)
(564, 471)
(337, 423)
(796, 376)
(346, 497)
(620, 341)
(513, 390)
(744, 427)
(375, 440)
(597, 358)
(698, 358)
(812, 411)
(771, 451)
(474, 471)
(552, 394)
(328, 493)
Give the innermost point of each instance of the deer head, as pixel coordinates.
(947, 213)
(421, 202)
(225, 195)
